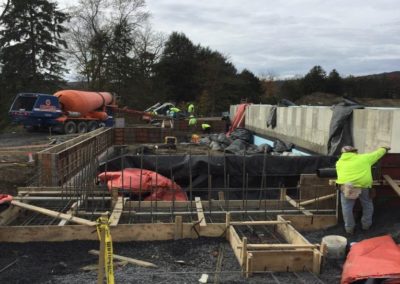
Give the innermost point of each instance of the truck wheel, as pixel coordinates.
(82, 127)
(69, 127)
(92, 126)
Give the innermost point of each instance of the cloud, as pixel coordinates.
(290, 37)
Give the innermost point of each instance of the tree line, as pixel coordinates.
(109, 45)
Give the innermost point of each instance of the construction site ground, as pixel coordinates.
(181, 261)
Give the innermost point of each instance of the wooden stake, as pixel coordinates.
(244, 255)
(101, 270)
(178, 228)
(117, 212)
(200, 212)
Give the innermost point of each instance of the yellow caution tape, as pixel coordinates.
(102, 224)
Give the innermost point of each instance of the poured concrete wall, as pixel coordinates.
(308, 126)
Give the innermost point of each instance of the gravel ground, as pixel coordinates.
(62, 263)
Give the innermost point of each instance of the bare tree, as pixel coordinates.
(91, 33)
(5, 7)
(147, 48)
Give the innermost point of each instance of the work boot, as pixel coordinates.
(350, 231)
(365, 227)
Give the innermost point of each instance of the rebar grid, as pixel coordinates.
(242, 199)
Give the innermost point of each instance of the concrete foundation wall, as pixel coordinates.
(308, 126)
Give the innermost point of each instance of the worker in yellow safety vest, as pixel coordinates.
(174, 111)
(206, 127)
(191, 108)
(355, 180)
(192, 121)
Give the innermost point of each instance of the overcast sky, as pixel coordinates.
(289, 37)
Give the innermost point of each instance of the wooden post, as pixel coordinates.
(101, 270)
(283, 194)
(221, 195)
(244, 256)
(249, 265)
(316, 261)
(200, 212)
(114, 197)
(178, 228)
(227, 224)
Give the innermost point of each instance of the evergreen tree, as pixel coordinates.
(314, 81)
(31, 42)
(177, 69)
(251, 87)
(334, 83)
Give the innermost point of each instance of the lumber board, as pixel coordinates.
(57, 198)
(120, 233)
(290, 234)
(45, 188)
(235, 243)
(305, 223)
(200, 212)
(178, 227)
(278, 261)
(9, 215)
(61, 193)
(317, 199)
(317, 257)
(71, 211)
(392, 184)
(127, 259)
(257, 223)
(249, 264)
(215, 204)
(243, 257)
(54, 214)
(117, 212)
(296, 205)
(282, 247)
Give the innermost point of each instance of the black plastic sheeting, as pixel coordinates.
(340, 133)
(278, 170)
(241, 141)
(271, 121)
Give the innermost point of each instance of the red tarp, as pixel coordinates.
(159, 187)
(5, 198)
(238, 120)
(373, 258)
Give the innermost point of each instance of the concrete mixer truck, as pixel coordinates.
(67, 111)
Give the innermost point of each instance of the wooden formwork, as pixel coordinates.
(297, 255)
(61, 162)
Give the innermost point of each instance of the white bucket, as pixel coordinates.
(336, 246)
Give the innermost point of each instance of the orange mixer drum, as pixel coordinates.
(83, 102)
